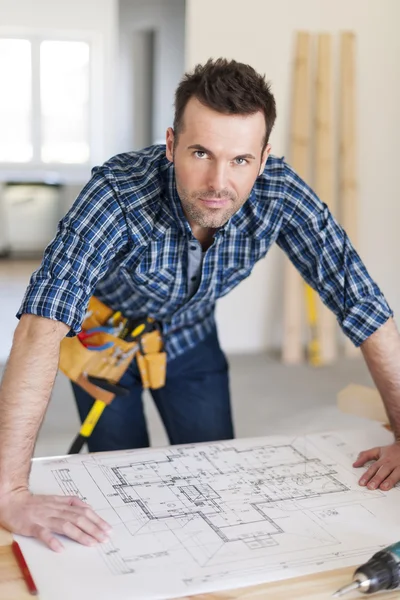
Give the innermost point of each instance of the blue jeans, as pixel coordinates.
(194, 404)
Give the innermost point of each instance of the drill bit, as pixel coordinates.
(347, 588)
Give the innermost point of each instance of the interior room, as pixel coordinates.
(86, 81)
(139, 51)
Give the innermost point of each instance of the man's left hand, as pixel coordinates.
(384, 473)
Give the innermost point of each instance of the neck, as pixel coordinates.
(205, 235)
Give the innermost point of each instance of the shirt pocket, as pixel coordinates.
(154, 284)
(239, 258)
(233, 274)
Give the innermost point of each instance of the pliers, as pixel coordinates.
(85, 335)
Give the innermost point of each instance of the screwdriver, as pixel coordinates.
(381, 572)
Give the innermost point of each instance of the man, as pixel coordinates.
(165, 233)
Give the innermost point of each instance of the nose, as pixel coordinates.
(217, 176)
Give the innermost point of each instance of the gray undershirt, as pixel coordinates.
(195, 264)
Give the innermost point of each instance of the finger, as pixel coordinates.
(46, 536)
(380, 475)
(83, 522)
(75, 501)
(71, 500)
(92, 515)
(391, 480)
(367, 455)
(75, 532)
(369, 474)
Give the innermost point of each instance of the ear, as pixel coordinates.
(170, 140)
(264, 158)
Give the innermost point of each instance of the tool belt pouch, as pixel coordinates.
(152, 361)
(152, 368)
(78, 362)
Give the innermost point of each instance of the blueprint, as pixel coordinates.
(206, 517)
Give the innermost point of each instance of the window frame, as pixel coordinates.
(36, 169)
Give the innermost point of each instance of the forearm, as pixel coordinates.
(382, 355)
(24, 395)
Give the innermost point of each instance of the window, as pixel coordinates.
(15, 101)
(44, 105)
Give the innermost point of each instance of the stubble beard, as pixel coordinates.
(209, 217)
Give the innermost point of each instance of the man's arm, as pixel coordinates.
(322, 252)
(382, 355)
(24, 396)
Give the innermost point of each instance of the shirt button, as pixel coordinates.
(193, 247)
(193, 278)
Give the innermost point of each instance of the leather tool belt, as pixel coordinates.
(99, 355)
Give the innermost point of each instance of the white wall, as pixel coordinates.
(167, 19)
(97, 19)
(261, 33)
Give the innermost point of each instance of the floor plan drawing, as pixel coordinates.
(213, 516)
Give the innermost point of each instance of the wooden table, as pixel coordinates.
(311, 587)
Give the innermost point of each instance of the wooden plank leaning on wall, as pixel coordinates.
(324, 177)
(293, 307)
(347, 148)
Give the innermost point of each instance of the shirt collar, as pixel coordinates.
(174, 201)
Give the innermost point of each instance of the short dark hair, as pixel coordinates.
(228, 87)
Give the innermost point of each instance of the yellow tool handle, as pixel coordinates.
(314, 350)
(94, 415)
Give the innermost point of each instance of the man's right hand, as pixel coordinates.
(43, 516)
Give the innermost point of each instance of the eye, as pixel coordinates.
(200, 154)
(240, 161)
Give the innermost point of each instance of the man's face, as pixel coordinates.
(217, 159)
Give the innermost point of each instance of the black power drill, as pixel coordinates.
(381, 572)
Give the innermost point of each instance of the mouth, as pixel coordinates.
(214, 202)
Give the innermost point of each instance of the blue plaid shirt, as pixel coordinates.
(126, 240)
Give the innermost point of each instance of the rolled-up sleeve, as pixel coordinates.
(87, 239)
(322, 252)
